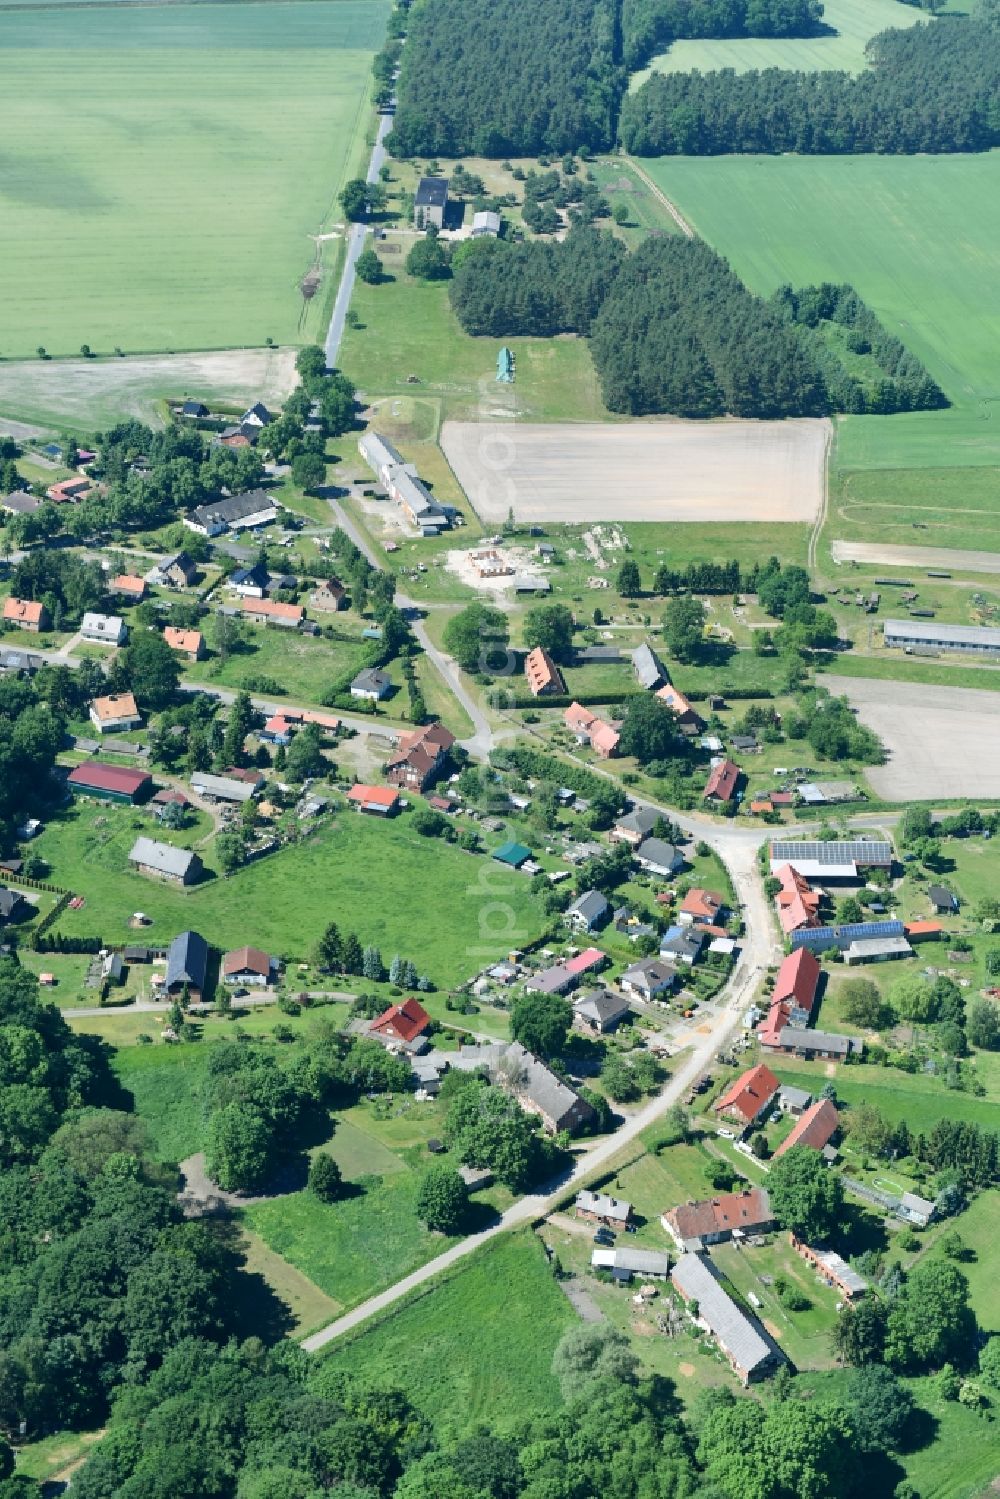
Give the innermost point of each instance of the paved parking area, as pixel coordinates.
(941, 741)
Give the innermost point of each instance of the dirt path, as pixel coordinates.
(820, 521)
(884, 555)
(662, 198)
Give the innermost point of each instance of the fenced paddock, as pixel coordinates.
(641, 471)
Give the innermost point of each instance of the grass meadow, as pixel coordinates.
(445, 909)
(475, 1347)
(918, 238)
(166, 197)
(850, 23)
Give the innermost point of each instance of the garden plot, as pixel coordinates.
(941, 741)
(641, 471)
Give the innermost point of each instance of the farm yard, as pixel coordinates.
(169, 203)
(917, 236)
(839, 43)
(941, 741)
(740, 471)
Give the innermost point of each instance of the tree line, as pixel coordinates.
(928, 89)
(507, 80)
(648, 26)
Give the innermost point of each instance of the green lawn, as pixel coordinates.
(166, 1083)
(309, 1306)
(474, 1348)
(168, 202)
(353, 1248)
(852, 23)
(302, 666)
(920, 1100)
(917, 236)
(448, 911)
(932, 507)
(407, 328)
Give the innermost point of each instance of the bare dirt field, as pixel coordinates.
(641, 471)
(906, 556)
(88, 393)
(941, 741)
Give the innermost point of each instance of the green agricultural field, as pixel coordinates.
(158, 191)
(507, 1293)
(368, 875)
(852, 24)
(931, 507)
(919, 238)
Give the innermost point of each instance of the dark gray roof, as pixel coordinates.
(234, 509)
(535, 1082)
(602, 1006)
(9, 902)
(20, 502)
(20, 661)
(639, 820)
(648, 667)
(806, 1040)
(187, 960)
(591, 905)
(432, 192)
(162, 857)
(598, 653)
(656, 851)
(370, 679)
(940, 895)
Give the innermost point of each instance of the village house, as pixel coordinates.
(587, 912)
(658, 857)
(27, 614)
(69, 490)
(815, 1128)
(750, 1353)
(20, 502)
(542, 673)
(430, 203)
(702, 908)
(110, 783)
(943, 900)
(793, 996)
(277, 730)
(273, 612)
(599, 1011)
(795, 1041)
(130, 587)
(485, 224)
(103, 629)
(187, 966)
(257, 416)
(179, 865)
(635, 826)
(749, 1096)
(249, 967)
(798, 903)
(329, 596)
(194, 410)
(420, 757)
(20, 663)
(832, 1268)
(250, 582)
(587, 728)
(116, 713)
(599, 1207)
(538, 1089)
(688, 720)
(178, 571)
(189, 643)
(566, 975)
(371, 685)
(377, 801)
(682, 944)
(402, 1025)
(13, 905)
(722, 782)
(732, 1215)
(648, 979)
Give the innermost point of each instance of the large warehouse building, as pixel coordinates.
(930, 635)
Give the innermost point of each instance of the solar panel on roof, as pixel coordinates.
(852, 851)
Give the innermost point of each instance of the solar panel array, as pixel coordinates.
(854, 851)
(842, 936)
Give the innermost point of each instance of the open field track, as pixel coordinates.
(641, 471)
(89, 392)
(904, 556)
(941, 741)
(171, 204)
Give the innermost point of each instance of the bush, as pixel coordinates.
(325, 1180)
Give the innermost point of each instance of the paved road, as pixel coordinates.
(355, 244)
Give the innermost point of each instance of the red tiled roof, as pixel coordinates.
(722, 781)
(379, 796)
(675, 699)
(797, 979)
(117, 705)
(922, 928)
(577, 716)
(603, 737)
(406, 1021)
(168, 794)
(129, 583)
(750, 1093)
(273, 608)
(109, 778)
(182, 640)
(542, 672)
(702, 903)
(816, 1127)
(769, 1031)
(748, 1210)
(591, 957)
(244, 959)
(27, 610)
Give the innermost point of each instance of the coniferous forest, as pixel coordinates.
(538, 76)
(673, 329)
(929, 88)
